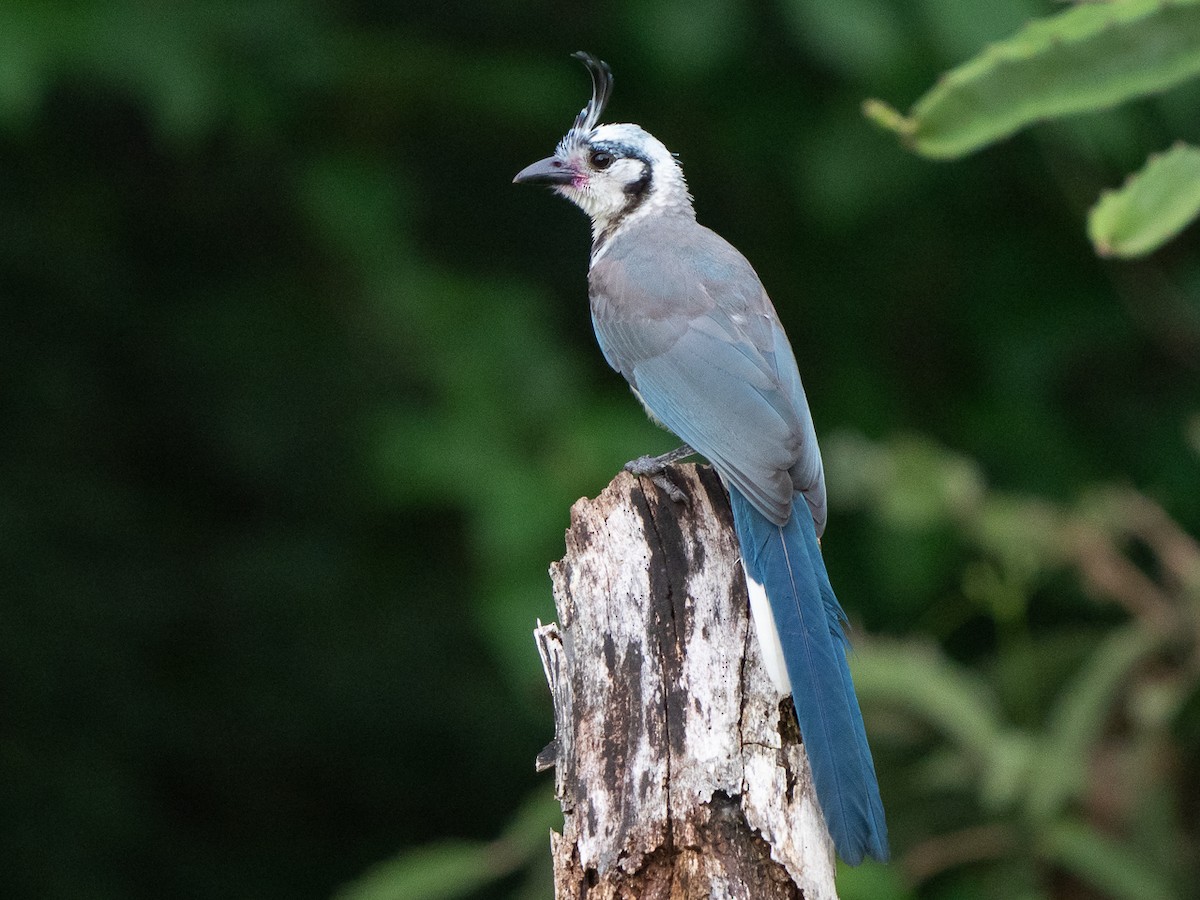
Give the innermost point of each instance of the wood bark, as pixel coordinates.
(678, 765)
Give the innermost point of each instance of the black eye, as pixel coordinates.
(601, 159)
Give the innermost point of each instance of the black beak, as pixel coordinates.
(550, 170)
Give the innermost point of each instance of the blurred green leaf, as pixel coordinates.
(1153, 206)
(1092, 56)
(1005, 599)
(860, 38)
(1078, 717)
(1006, 772)
(194, 65)
(440, 872)
(451, 869)
(921, 682)
(910, 481)
(298, 391)
(1110, 867)
(872, 881)
(960, 29)
(529, 830)
(689, 37)
(1022, 533)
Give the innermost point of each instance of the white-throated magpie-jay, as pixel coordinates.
(682, 315)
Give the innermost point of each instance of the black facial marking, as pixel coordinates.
(620, 150)
(637, 190)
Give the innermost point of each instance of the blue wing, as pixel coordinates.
(697, 337)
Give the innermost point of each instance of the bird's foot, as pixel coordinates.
(656, 465)
(655, 468)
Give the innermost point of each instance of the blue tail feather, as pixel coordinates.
(787, 561)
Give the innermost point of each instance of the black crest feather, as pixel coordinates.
(602, 82)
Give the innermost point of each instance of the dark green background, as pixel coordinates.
(296, 389)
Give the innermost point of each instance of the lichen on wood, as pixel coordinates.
(678, 765)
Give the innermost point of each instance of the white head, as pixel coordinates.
(614, 173)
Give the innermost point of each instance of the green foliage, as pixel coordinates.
(1088, 58)
(441, 872)
(859, 37)
(949, 699)
(1106, 865)
(196, 66)
(1079, 716)
(1064, 779)
(1049, 797)
(453, 869)
(297, 391)
(1153, 206)
(872, 881)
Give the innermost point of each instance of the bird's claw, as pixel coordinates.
(655, 468)
(670, 488)
(646, 466)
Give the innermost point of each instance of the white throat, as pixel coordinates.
(644, 181)
(668, 194)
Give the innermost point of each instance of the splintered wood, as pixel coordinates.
(678, 765)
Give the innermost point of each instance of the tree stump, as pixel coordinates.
(678, 764)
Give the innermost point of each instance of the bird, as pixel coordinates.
(682, 315)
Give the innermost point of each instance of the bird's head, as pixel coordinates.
(612, 172)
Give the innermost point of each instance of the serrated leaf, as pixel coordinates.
(1091, 57)
(1153, 206)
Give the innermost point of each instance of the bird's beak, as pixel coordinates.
(550, 170)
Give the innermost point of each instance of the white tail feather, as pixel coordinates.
(768, 636)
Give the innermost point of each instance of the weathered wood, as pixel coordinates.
(678, 765)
